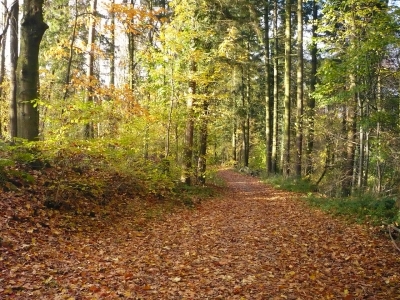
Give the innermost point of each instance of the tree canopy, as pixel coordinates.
(308, 89)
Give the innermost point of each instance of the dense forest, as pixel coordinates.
(304, 89)
(199, 149)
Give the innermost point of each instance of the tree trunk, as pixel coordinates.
(287, 100)
(300, 90)
(188, 147)
(89, 128)
(311, 100)
(131, 53)
(13, 67)
(234, 141)
(171, 108)
(268, 99)
(234, 121)
(112, 47)
(201, 164)
(245, 91)
(362, 146)
(71, 52)
(350, 123)
(3, 39)
(32, 30)
(274, 151)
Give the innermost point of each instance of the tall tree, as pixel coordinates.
(71, 51)
(14, 12)
(311, 98)
(356, 36)
(189, 131)
(112, 46)
(274, 151)
(201, 164)
(300, 89)
(3, 39)
(268, 98)
(89, 129)
(32, 30)
(287, 82)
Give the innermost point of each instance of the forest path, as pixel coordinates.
(253, 242)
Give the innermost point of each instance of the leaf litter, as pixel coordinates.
(251, 242)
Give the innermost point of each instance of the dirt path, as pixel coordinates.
(252, 243)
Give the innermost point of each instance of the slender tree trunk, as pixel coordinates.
(188, 147)
(348, 171)
(32, 30)
(268, 99)
(351, 122)
(234, 121)
(274, 151)
(300, 89)
(131, 53)
(367, 158)
(201, 164)
(378, 185)
(245, 118)
(361, 152)
(71, 52)
(171, 108)
(234, 142)
(3, 39)
(247, 127)
(13, 67)
(112, 47)
(89, 128)
(311, 100)
(287, 100)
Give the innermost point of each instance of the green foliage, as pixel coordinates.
(213, 178)
(292, 184)
(362, 209)
(15, 161)
(192, 195)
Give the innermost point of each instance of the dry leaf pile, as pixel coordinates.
(254, 242)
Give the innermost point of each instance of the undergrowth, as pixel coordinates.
(292, 184)
(82, 177)
(361, 209)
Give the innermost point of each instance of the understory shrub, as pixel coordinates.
(292, 184)
(362, 209)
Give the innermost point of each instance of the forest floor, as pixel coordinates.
(250, 242)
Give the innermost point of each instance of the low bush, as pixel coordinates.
(362, 209)
(292, 184)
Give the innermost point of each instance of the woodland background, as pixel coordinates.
(304, 89)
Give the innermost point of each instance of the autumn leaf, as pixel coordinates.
(250, 242)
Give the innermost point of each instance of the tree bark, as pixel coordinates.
(89, 127)
(14, 12)
(311, 100)
(201, 164)
(300, 89)
(112, 47)
(188, 147)
(32, 31)
(268, 99)
(274, 151)
(3, 39)
(287, 100)
(349, 155)
(131, 53)
(245, 121)
(71, 53)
